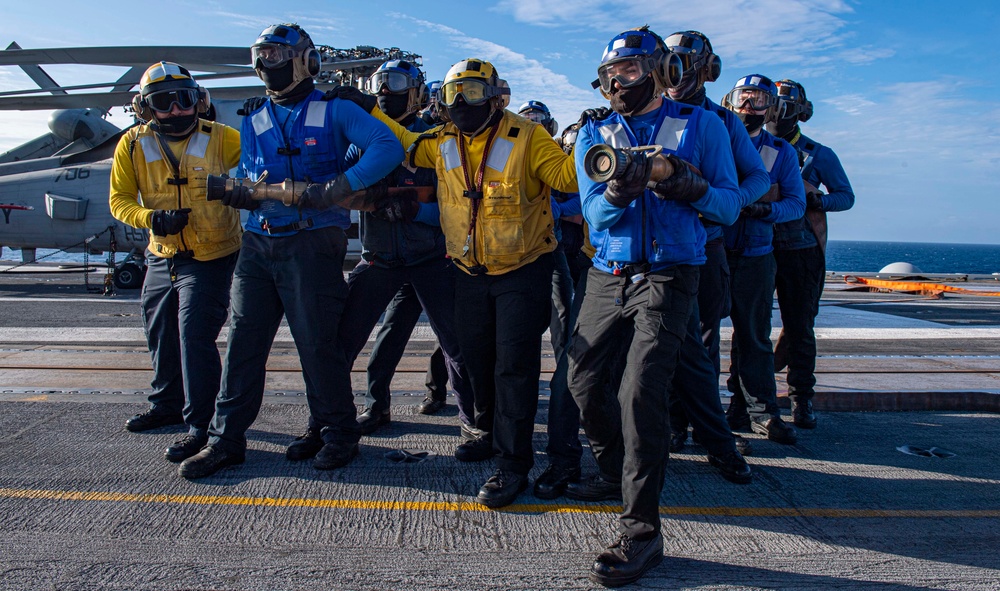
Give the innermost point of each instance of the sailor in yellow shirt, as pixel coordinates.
(158, 182)
(495, 170)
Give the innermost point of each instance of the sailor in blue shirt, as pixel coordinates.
(641, 292)
(799, 248)
(291, 260)
(754, 405)
(696, 396)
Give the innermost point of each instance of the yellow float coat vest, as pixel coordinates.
(213, 229)
(512, 228)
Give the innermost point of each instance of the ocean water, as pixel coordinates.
(843, 256)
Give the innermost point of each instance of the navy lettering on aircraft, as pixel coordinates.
(135, 234)
(72, 174)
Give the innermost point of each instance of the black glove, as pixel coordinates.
(757, 210)
(624, 190)
(250, 105)
(325, 195)
(239, 198)
(596, 114)
(401, 207)
(814, 200)
(684, 185)
(169, 221)
(349, 93)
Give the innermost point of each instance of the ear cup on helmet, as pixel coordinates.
(552, 127)
(313, 61)
(139, 108)
(714, 68)
(504, 98)
(422, 97)
(807, 112)
(204, 100)
(672, 70)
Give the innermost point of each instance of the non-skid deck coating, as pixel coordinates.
(85, 504)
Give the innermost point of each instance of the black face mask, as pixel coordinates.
(277, 79)
(784, 128)
(179, 126)
(629, 101)
(689, 92)
(393, 105)
(751, 121)
(470, 119)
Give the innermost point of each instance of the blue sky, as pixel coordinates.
(906, 93)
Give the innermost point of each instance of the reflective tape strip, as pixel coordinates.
(316, 114)
(150, 149)
(197, 145)
(449, 152)
(261, 121)
(769, 155)
(499, 154)
(670, 133)
(614, 135)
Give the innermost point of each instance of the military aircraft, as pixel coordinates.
(54, 189)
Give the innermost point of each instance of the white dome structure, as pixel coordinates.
(901, 268)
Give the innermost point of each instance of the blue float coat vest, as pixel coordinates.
(754, 180)
(660, 232)
(392, 244)
(311, 152)
(751, 236)
(798, 234)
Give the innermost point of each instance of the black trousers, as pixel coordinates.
(499, 322)
(650, 320)
(799, 283)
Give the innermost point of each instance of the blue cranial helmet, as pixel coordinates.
(631, 56)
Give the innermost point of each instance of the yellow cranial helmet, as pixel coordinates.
(476, 81)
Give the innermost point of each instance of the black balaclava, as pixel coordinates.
(301, 91)
(751, 121)
(471, 119)
(785, 127)
(631, 100)
(690, 91)
(277, 79)
(177, 127)
(393, 105)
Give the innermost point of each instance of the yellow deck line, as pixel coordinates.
(119, 497)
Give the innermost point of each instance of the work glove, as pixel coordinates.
(596, 114)
(624, 190)
(169, 221)
(401, 207)
(814, 200)
(757, 210)
(684, 185)
(250, 105)
(349, 93)
(240, 198)
(325, 195)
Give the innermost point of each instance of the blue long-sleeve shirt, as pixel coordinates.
(827, 171)
(753, 178)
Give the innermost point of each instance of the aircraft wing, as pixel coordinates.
(206, 59)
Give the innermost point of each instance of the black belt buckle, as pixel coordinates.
(473, 194)
(478, 270)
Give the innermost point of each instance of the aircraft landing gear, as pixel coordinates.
(130, 273)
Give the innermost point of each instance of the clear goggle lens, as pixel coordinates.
(473, 91)
(755, 98)
(271, 55)
(627, 72)
(163, 102)
(394, 81)
(536, 116)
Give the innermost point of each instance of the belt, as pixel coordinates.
(293, 227)
(636, 272)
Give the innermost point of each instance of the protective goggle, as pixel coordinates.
(395, 82)
(475, 92)
(271, 55)
(755, 98)
(163, 101)
(627, 72)
(536, 116)
(690, 49)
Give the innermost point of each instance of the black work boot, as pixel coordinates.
(208, 461)
(732, 466)
(305, 446)
(370, 420)
(475, 450)
(626, 560)
(152, 419)
(335, 455)
(803, 415)
(595, 488)
(502, 488)
(431, 405)
(185, 447)
(677, 440)
(551, 484)
(775, 429)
